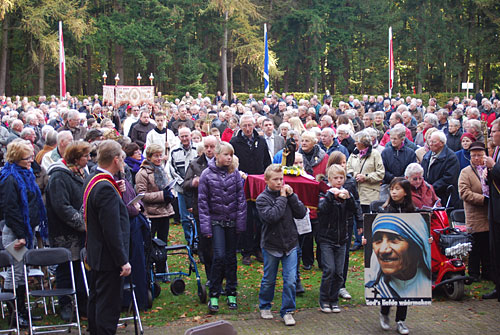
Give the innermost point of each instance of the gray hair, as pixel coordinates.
(247, 117)
(473, 110)
(377, 113)
(399, 130)
(64, 135)
(328, 119)
(51, 138)
(30, 117)
(73, 114)
(476, 124)
(372, 132)
(413, 169)
(284, 125)
(402, 108)
(441, 135)
(432, 119)
(344, 128)
(329, 131)
(26, 131)
(454, 122)
(363, 137)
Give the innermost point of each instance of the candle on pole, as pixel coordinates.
(104, 77)
(139, 79)
(151, 77)
(117, 79)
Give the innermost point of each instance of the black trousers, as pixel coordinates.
(400, 312)
(495, 252)
(105, 299)
(306, 242)
(250, 239)
(224, 261)
(479, 258)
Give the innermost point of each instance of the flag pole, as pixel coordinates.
(391, 63)
(266, 62)
(62, 64)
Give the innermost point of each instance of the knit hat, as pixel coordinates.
(470, 136)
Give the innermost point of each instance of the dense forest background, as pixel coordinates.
(210, 45)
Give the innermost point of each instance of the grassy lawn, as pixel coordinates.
(186, 307)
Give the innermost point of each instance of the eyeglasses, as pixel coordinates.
(29, 158)
(416, 178)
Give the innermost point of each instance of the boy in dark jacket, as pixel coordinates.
(333, 211)
(277, 207)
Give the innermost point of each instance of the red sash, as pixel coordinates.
(93, 182)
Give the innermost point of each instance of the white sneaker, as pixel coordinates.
(384, 321)
(335, 309)
(325, 308)
(344, 294)
(266, 314)
(402, 329)
(289, 320)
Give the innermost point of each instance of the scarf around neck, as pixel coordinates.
(26, 181)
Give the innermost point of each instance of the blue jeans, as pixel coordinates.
(266, 294)
(185, 217)
(224, 260)
(332, 259)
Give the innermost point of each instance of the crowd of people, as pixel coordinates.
(191, 157)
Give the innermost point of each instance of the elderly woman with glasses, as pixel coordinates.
(422, 192)
(22, 211)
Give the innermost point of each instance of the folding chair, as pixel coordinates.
(47, 257)
(5, 262)
(128, 286)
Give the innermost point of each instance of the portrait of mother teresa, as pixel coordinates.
(400, 263)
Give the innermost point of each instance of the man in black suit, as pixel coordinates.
(493, 165)
(108, 235)
(274, 141)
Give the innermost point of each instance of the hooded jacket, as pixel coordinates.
(221, 198)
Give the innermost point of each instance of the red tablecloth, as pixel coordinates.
(306, 189)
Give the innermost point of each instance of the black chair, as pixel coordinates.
(375, 206)
(47, 257)
(457, 218)
(6, 261)
(128, 286)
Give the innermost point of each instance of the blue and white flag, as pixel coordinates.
(266, 62)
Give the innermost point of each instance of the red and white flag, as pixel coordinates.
(62, 63)
(391, 62)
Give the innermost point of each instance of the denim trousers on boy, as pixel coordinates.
(224, 260)
(266, 294)
(332, 259)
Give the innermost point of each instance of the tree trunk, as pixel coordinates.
(486, 76)
(223, 57)
(315, 84)
(79, 73)
(245, 78)
(285, 80)
(119, 63)
(41, 74)
(346, 70)
(89, 70)
(4, 53)
(231, 69)
(323, 76)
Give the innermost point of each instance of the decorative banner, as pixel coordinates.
(397, 259)
(134, 95)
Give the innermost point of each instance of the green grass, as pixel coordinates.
(187, 307)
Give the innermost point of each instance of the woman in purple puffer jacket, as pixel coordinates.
(222, 209)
